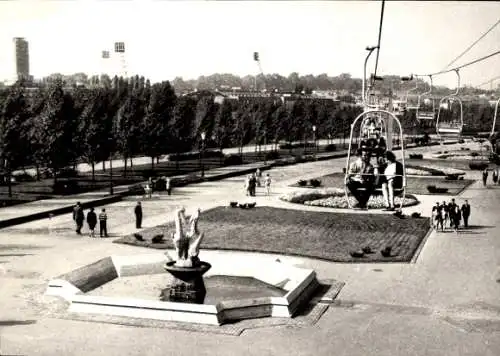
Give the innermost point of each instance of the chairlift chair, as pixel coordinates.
(450, 128)
(371, 123)
(426, 112)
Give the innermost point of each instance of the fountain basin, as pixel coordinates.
(77, 287)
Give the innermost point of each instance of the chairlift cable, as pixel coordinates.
(472, 45)
(488, 81)
(462, 66)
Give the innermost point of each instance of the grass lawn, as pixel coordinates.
(414, 185)
(328, 236)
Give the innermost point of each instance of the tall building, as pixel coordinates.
(22, 58)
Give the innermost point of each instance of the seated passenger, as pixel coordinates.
(360, 179)
(393, 179)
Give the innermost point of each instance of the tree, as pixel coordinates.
(128, 127)
(155, 128)
(13, 117)
(95, 126)
(205, 117)
(57, 128)
(181, 125)
(224, 124)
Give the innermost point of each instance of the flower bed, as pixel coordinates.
(335, 198)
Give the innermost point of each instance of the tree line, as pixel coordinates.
(54, 126)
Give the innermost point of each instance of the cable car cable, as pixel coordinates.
(472, 45)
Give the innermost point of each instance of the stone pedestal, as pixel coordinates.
(187, 285)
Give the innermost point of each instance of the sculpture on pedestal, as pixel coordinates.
(187, 285)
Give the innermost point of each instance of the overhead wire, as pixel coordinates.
(379, 36)
(472, 45)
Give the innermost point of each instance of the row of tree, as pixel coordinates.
(291, 83)
(54, 127)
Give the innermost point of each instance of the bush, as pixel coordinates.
(452, 177)
(302, 183)
(233, 160)
(461, 140)
(272, 155)
(474, 154)
(476, 166)
(416, 156)
(315, 182)
(330, 147)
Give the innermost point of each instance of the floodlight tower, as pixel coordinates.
(120, 54)
(256, 58)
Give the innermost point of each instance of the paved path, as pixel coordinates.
(447, 303)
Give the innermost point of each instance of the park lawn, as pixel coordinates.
(323, 235)
(414, 185)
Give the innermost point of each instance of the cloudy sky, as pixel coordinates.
(165, 39)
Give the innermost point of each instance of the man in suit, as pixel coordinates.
(466, 213)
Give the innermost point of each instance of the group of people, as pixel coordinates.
(364, 177)
(149, 186)
(450, 215)
(254, 180)
(92, 217)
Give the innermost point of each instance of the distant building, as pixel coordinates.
(21, 59)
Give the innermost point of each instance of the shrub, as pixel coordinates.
(416, 156)
(233, 204)
(476, 166)
(302, 183)
(474, 154)
(233, 160)
(461, 140)
(315, 182)
(330, 147)
(272, 155)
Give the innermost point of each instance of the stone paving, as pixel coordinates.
(446, 303)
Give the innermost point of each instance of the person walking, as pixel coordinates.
(494, 176)
(78, 217)
(103, 221)
(457, 216)
(138, 215)
(267, 183)
(168, 186)
(92, 221)
(466, 213)
(485, 177)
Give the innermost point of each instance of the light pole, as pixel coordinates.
(314, 140)
(203, 135)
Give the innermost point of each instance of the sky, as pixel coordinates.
(165, 39)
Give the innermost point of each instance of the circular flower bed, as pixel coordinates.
(335, 198)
